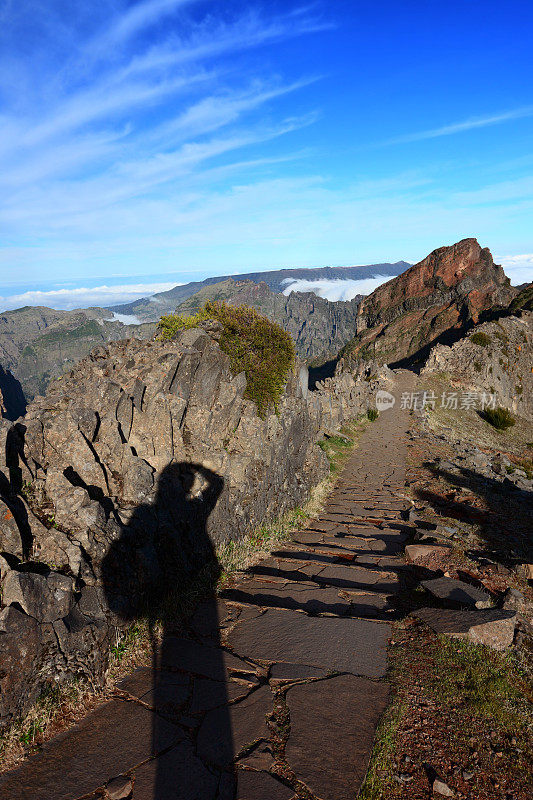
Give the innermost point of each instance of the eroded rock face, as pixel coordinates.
(497, 362)
(124, 478)
(432, 300)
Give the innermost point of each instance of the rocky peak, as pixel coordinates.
(438, 297)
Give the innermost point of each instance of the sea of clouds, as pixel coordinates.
(519, 268)
(336, 289)
(68, 298)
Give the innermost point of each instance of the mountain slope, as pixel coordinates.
(38, 344)
(149, 309)
(319, 327)
(433, 301)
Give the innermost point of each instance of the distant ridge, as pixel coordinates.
(149, 309)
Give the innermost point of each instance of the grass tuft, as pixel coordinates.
(500, 418)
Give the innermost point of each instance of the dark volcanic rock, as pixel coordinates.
(21, 652)
(333, 723)
(133, 467)
(340, 644)
(46, 598)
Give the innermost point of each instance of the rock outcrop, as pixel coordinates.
(319, 327)
(123, 478)
(432, 302)
(38, 344)
(496, 358)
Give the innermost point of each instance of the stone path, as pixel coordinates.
(276, 691)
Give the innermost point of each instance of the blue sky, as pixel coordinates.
(151, 142)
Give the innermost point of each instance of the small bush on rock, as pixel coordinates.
(500, 418)
(255, 345)
(372, 414)
(480, 339)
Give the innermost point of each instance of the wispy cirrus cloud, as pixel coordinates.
(464, 125)
(132, 98)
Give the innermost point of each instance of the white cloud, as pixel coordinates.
(518, 268)
(335, 289)
(83, 297)
(126, 319)
(465, 125)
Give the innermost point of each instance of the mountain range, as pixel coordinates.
(150, 309)
(39, 344)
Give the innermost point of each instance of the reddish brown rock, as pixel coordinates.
(437, 296)
(418, 552)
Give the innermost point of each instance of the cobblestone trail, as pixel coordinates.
(276, 691)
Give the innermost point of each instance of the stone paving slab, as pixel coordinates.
(111, 740)
(175, 775)
(189, 656)
(261, 786)
(341, 644)
(307, 597)
(332, 731)
(246, 722)
(208, 694)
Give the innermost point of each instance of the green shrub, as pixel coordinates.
(255, 345)
(500, 418)
(477, 366)
(480, 339)
(372, 414)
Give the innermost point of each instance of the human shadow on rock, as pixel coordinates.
(161, 552)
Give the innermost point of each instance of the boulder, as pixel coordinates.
(418, 552)
(10, 538)
(45, 598)
(491, 627)
(458, 593)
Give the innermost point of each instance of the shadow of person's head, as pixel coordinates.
(164, 543)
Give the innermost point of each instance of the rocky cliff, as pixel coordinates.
(38, 344)
(122, 478)
(319, 327)
(496, 358)
(433, 301)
